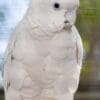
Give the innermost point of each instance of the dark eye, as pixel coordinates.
(56, 5)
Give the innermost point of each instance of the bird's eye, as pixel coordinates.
(56, 5)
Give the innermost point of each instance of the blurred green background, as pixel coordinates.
(88, 24)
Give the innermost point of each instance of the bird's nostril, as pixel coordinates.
(66, 22)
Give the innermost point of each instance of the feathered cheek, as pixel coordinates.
(56, 24)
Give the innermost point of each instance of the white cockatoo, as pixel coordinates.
(44, 55)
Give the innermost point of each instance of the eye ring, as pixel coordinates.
(56, 5)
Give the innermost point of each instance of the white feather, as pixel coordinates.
(44, 56)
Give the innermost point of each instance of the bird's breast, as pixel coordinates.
(49, 54)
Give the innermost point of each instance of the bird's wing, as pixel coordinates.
(8, 59)
(79, 47)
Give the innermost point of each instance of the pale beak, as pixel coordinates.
(67, 25)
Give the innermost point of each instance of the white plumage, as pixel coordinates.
(44, 55)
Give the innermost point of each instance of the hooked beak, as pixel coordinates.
(67, 25)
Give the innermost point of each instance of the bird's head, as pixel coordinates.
(54, 15)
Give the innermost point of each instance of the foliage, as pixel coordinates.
(88, 23)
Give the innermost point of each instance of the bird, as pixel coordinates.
(44, 56)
